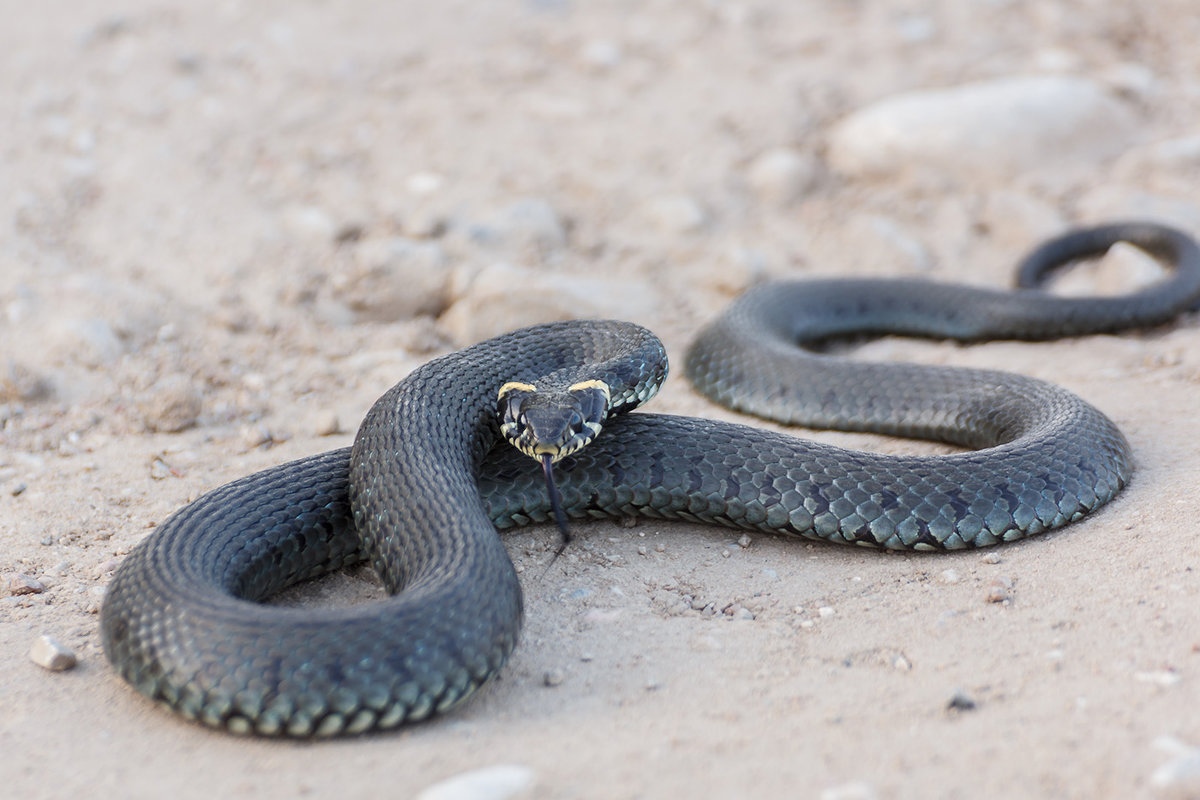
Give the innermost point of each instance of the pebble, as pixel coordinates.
(554, 677)
(50, 654)
(19, 583)
(327, 424)
(949, 576)
(19, 383)
(309, 222)
(601, 54)
(825, 611)
(485, 307)
(394, 279)
(990, 558)
(961, 701)
(1179, 778)
(1164, 678)
(782, 175)
(999, 590)
(499, 782)
(173, 406)
(532, 224)
(89, 341)
(856, 790)
(676, 214)
(989, 128)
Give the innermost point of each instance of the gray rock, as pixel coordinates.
(503, 297)
(992, 128)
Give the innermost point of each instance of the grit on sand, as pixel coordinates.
(227, 228)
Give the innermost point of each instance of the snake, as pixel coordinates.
(430, 478)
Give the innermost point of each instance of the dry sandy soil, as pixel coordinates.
(244, 221)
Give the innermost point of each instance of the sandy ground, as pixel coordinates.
(205, 209)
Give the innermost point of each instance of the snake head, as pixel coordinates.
(554, 422)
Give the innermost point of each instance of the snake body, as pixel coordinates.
(425, 485)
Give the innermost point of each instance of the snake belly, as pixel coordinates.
(425, 485)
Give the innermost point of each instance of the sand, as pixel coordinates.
(228, 228)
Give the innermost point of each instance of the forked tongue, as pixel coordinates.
(560, 516)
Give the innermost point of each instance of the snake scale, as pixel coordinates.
(427, 482)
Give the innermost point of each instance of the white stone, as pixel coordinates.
(499, 782)
(49, 653)
(782, 175)
(676, 214)
(992, 128)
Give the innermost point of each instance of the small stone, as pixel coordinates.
(744, 541)
(949, 576)
(50, 654)
(999, 590)
(825, 611)
(19, 583)
(601, 54)
(172, 406)
(327, 424)
(743, 614)
(961, 701)
(856, 790)
(309, 222)
(782, 175)
(254, 436)
(424, 183)
(990, 558)
(1164, 678)
(1179, 778)
(554, 677)
(161, 470)
(677, 214)
(88, 341)
(394, 279)
(532, 224)
(18, 383)
(499, 782)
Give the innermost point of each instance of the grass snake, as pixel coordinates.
(428, 481)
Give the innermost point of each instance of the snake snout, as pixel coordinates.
(552, 423)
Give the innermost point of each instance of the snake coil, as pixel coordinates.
(423, 488)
